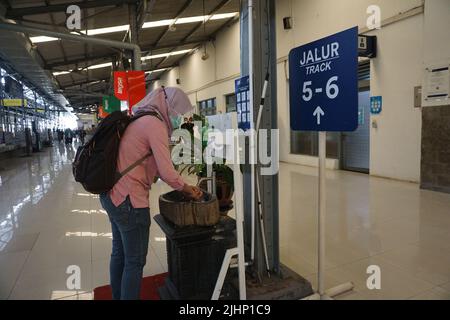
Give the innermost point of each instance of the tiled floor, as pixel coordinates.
(48, 223)
(370, 221)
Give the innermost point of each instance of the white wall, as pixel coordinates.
(395, 145)
(436, 37)
(86, 120)
(212, 78)
(437, 28)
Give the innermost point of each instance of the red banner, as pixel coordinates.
(102, 114)
(136, 87)
(121, 85)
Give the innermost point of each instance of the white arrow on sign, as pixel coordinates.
(318, 113)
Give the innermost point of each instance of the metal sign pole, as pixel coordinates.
(327, 70)
(322, 293)
(322, 211)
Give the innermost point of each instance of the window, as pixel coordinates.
(230, 101)
(207, 107)
(307, 143)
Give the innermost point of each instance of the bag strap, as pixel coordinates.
(134, 165)
(149, 113)
(119, 175)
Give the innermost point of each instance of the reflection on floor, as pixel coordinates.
(370, 221)
(48, 223)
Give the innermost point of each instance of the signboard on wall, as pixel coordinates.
(14, 102)
(376, 105)
(324, 84)
(242, 89)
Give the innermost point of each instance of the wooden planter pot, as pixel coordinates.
(183, 212)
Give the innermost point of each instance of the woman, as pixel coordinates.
(127, 204)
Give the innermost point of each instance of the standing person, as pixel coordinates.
(188, 125)
(68, 136)
(60, 135)
(82, 135)
(127, 204)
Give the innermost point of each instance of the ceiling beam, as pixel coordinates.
(180, 12)
(52, 65)
(198, 26)
(20, 12)
(79, 83)
(69, 61)
(82, 82)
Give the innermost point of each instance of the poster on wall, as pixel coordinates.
(436, 87)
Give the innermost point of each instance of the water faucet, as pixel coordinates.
(203, 179)
(212, 185)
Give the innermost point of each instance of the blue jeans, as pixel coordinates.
(130, 232)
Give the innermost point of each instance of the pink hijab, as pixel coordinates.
(166, 102)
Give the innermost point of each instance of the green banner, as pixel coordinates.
(111, 104)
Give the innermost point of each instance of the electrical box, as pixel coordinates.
(287, 23)
(418, 97)
(367, 46)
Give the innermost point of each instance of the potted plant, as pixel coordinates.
(223, 173)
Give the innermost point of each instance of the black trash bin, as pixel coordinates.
(194, 258)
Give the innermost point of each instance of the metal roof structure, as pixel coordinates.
(82, 72)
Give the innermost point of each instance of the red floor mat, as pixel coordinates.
(149, 288)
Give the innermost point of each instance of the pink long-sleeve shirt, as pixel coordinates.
(142, 135)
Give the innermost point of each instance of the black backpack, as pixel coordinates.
(95, 163)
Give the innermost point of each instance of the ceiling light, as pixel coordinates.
(159, 23)
(58, 73)
(191, 19)
(224, 16)
(168, 54)
(157, 70)
(41, 39)
(109, 64)
(94, 32)
(98, 66)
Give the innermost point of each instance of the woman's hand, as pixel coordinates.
(192, 192)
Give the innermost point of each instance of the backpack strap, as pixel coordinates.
(149, 113)
(119, 175)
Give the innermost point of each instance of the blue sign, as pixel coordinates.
(242, 89)
(376, 105)
(324, 84)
